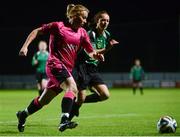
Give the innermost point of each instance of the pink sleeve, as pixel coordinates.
(50, 28)
(86, 42)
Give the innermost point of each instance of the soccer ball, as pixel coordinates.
(166, 124)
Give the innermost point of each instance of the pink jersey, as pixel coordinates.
(64, 43)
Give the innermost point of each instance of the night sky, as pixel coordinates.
(146, 29)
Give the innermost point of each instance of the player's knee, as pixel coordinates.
(81, 97)
(105, 95)
(73, 88)
(81, 100)
(43, 87)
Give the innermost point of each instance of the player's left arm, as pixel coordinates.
(87, 45)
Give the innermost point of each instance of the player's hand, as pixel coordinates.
(23, 52)
(36, 62)
(99, 56)
(113, 42)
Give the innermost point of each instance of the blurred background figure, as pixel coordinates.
(137, 75)
(39, 62)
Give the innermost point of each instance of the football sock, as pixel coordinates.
(76, 105)
(33, 106)
(74, 110)
(67, 103)
(134, 90)
(141, 90)
(92, 98)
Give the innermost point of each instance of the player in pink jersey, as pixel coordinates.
(66, 39)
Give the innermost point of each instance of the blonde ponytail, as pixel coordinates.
(75, 9)
(69, 8)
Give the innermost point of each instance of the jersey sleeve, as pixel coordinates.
(85, 42)
(50, 28)
(92, 36)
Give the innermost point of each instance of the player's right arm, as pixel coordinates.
(46, 28)
(23, 51)
(131, 74)
(34, 60)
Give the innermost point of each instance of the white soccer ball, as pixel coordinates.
(166, 124)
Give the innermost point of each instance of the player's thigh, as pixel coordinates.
(81, 96)
(43, 83)
(102, 89)
(69, 85)
(38, 86)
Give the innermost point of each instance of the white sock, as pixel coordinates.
(65, 114)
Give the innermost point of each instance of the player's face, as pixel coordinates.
(80, 19)
(42, 46)
(137, 62)
(103, 22)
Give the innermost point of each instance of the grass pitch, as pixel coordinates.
(123, 114)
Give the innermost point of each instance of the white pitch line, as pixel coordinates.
(108, 116)
(81, 117)
(89, 136)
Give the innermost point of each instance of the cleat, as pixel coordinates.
(67, 125)
(21, 121)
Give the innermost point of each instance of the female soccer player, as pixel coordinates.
(65, 41)
(39, 62)
(137, 75)
(87, 67)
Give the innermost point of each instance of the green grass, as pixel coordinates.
(124, 114)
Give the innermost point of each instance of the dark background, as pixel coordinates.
(148, 30)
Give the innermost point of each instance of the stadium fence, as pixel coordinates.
(153, 80)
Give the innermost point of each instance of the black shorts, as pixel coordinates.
(86, 75)
(136, 81)
(40, 76)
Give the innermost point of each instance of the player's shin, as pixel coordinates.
(66, 105)
(92, 98)
(33, 106)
